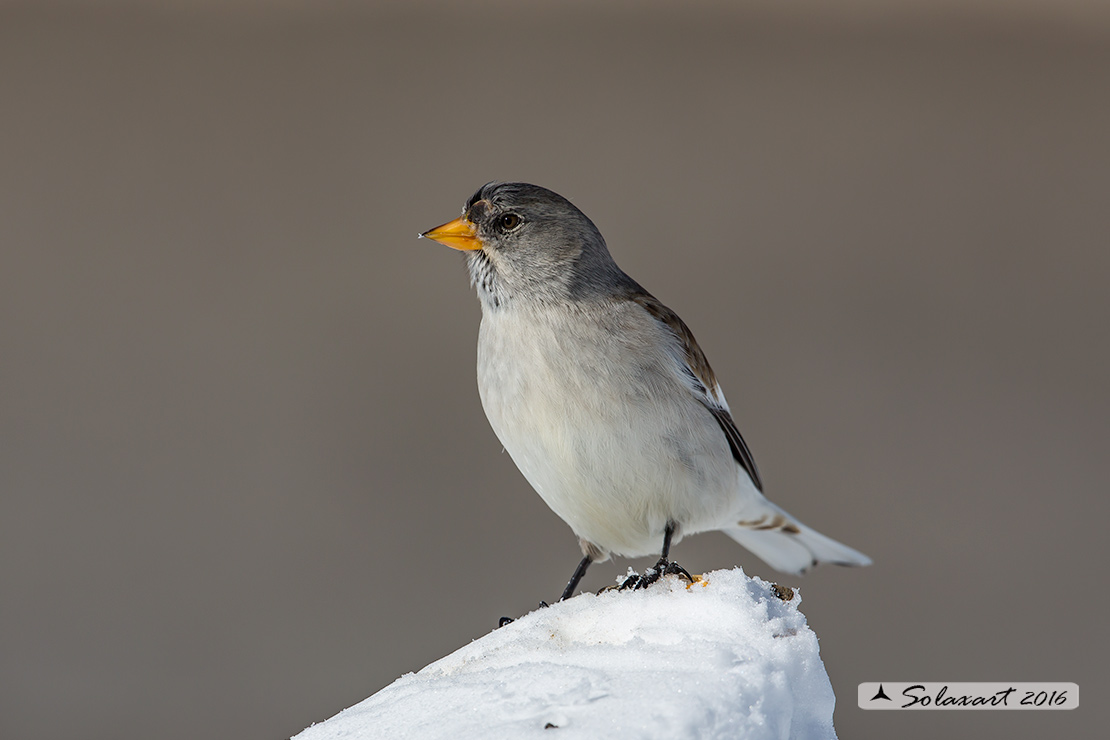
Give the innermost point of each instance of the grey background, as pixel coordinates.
(245, 479)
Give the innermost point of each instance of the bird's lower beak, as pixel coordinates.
(457, 234)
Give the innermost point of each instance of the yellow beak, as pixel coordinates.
(457, 234)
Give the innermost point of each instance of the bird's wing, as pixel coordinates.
(705, 385)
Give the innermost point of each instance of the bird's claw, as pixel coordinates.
(662, 568)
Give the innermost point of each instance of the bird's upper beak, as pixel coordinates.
(457, 234)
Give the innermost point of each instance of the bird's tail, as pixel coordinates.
(790, 546)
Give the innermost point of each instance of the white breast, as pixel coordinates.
(595, 415)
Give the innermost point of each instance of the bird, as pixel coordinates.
(603, 398)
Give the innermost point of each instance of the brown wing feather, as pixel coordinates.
(699, 367)
(736, 443)
(695, 358)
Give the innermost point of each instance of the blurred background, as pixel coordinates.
(245, 478)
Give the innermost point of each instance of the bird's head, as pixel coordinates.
(525, 243)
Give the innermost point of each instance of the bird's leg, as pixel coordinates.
(666, 567)
(668, 533)
(567, 592)
(574, 579)
(661, 568)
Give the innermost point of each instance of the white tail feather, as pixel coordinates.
(796, 552)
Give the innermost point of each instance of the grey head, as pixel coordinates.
(528, 245)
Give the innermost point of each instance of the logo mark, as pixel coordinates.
(880, 694)
(983, 695)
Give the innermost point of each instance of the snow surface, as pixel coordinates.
(722, 658)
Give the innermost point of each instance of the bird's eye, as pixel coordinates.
(508, 221)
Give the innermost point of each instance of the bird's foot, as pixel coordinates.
(509, 620)
(662, 568)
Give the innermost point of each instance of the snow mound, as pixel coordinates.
(726, 657)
